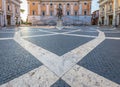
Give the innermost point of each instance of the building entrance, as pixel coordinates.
(110, 19)
(8, 20)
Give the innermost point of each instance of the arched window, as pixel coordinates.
(68, 4)
(33, 3)
(85, 3)
(51, 5)
(60, 4)
(75, 4)
(8, 7)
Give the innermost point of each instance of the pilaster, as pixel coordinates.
(4, 13)
(55, 7)
(13, 21)
(105, 15)
(64, 9)
(114, 13)
(47, 9)
(71, 9)
(39, 9)
(80, 9)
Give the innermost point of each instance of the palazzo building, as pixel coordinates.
(74, 11)
(109, 12)
(95, 17)
(9, 12)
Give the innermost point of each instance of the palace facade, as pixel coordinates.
(9, 12)
(74, 11)
(109, 12)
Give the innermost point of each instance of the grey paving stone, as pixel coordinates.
(104, 60)
(59, 44)
(60, 83)
(15, 61)
(54, 29)
(112, 34)
(6, 35)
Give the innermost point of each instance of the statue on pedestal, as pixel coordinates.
(59, 12)
(59, 15)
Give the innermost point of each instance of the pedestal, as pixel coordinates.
(59, 24)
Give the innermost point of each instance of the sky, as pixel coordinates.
(95, 6)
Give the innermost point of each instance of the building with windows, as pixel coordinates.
(9, 12)
(109, 12)
(95, 17)
(74, 11)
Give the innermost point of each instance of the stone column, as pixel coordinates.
(19, 18)
(47, 9)
(118, 17)
(114, 13)
(4, 13)
(28, 8)
(100, 20)
(55, 7)
(13, 21)
(39, 9)
(105, 15)
(71, 9)
(0, 19)
(107, 20)
(80, 9)
(90, 9)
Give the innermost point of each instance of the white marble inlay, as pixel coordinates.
(39, 77)
(59, 64)
(6, 38)
(114, 38)
(81, 77)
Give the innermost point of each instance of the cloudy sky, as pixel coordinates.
(95, 6)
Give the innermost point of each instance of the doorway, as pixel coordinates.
(110, 19)
(8, 20)
(102, 20)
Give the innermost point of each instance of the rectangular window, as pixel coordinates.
(8, 8)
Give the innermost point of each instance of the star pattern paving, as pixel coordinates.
(72, 57)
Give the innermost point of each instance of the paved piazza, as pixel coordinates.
(85, 56)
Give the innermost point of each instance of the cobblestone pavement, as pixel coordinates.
(85, 56)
